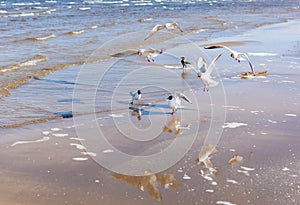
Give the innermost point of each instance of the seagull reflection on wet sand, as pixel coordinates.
(150, 182)
(136, 111)
(174, 126)
(205, 158)
(236, 159)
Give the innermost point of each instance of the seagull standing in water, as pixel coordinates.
(184, 63)
(168, 26)
(174, 101)
(234, 54)
(135, 96)
(149, 53)
(206, 76)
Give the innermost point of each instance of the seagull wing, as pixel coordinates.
(212, 83)
(182, 96)
(154, 30)
(219, 46)
(201, 63)
(176, 25)
(248, 59)
(212, 64)
(132, 94)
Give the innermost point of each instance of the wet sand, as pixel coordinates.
(262, 124)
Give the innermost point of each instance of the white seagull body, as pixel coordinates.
(174, 101)
(135, 96)
(234, 54)
(168, 26)
(149, 53)
(206, 76)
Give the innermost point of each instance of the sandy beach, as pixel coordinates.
(51, 163)
(69, 134)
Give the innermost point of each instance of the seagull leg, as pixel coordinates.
(204, 88)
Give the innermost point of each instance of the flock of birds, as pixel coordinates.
(174, 100)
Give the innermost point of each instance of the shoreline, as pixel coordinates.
(227, 41)
(57, 171)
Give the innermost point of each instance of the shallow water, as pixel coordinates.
(43, 36)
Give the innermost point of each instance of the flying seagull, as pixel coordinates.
(206, 76)
(149, 53)
(234, 54)
(168, 26)
(174, 101)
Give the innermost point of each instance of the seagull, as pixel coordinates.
(149, 53)
(168, 26)
(135, 96)
(184, 62)
(174, 101)
(206, 77)
(234, 54)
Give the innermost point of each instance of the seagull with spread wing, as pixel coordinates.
(174, 101)
(168, 26)
(234, 54)
(135, 96)
(149, 53)
(206, 76)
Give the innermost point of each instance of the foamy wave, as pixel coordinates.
(78, 146)
(198, 31)
(41, 7)
(93, 27)
(30, 142)
(51, 2)
(144, 4)
(22, 14)
(29, 62)
(225, 203)
(262, 54)
(80, 158)
(26, 4)
(3, 11)
(41, 38)
(28, 14)
(233, 124)
(75, 32)
(84, 8)
(33, 61)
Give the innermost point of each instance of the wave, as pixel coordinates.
(26, 4)
(262, 54)
(93, 27)
(44, 139)
(75, 32)
(6, 15)
(41, 38)
(33, 61)
(52, 2)
(84, 8)
(29, 62)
